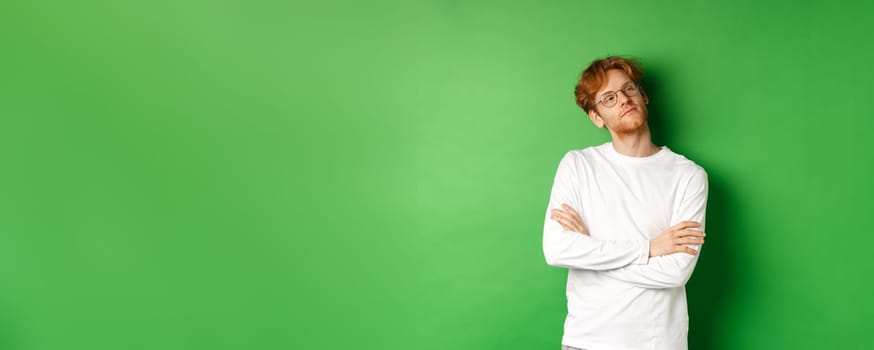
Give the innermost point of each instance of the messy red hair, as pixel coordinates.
(595, 76)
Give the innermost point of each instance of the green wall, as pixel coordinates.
(278, 175)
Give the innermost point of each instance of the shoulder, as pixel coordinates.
(585, 155)
(686, 165)
(690, 175)
(574, 162)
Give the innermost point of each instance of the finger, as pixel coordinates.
(579, 228)
(687, 250)
(569, 228)
(572, 213)
(558, 213)
(685, 225)
(571, 210)
(564, 222)
(570, 225)
(690, 240)
(571, 219)
(689, 233)
(576, 217)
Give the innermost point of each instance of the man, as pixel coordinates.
(626, 219)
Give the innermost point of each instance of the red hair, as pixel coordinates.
(595, 76)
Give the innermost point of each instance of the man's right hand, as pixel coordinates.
(674, 240)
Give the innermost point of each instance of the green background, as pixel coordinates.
(281, 175)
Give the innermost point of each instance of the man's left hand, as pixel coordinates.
(569, 219)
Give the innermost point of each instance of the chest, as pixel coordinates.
(629, 202)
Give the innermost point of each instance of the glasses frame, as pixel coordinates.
(623, 91)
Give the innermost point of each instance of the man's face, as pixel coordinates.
(629, 113)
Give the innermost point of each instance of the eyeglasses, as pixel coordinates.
(610, 98)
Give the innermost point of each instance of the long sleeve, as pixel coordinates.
(575, 250)
(674, 270)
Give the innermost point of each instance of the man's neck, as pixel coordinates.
(635, 144)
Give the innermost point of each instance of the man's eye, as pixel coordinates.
(631, 88)
(609, 98)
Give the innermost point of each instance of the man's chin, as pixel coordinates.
(632, 126)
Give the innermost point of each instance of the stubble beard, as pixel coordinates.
(632, 125)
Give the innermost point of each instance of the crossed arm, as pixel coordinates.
(671, 259)
(664, 262)
(673, 240)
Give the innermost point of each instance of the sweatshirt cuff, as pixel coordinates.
(643, 255)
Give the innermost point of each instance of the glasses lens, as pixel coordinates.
(630, 90)
(609, 99)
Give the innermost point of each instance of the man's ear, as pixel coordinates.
(596, 118)
(645, 97)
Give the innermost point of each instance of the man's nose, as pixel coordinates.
(623, 98)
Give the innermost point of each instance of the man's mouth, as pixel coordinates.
(628, 110)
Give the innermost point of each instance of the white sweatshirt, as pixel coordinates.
(618, 298)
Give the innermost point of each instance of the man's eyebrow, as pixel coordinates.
(620, 88)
